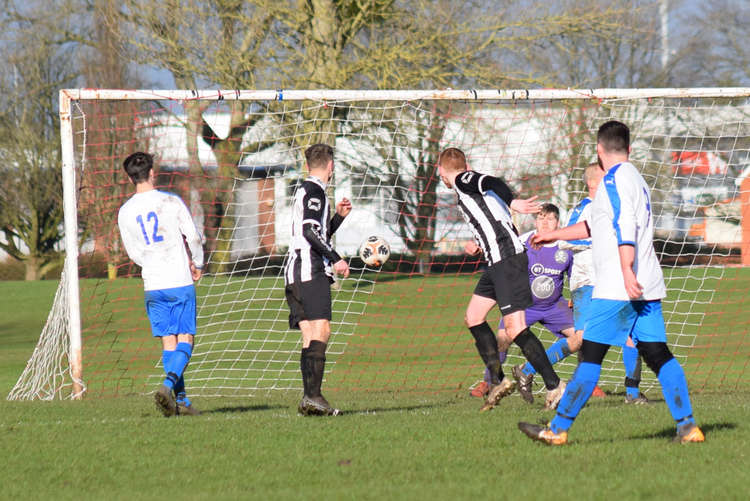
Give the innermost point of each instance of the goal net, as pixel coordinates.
(236, 158)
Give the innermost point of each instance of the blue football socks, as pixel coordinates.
(630, 361)
(576, 395)
(176, 364)
(675, 391)
(555, 353)
(166, 358)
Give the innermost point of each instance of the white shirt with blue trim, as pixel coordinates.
(582, 272)
(621, 215)
(152, 224)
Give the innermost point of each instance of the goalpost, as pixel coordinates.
(236, 156)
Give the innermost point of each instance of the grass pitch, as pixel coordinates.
(388, 445)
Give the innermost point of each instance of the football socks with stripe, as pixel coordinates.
(176, 363)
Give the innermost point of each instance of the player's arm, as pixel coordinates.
(312, 214)
(627, 258)
(623, 196)
(579, 214)
(133, 248)
(192, 237)
(501, 189)
(343, 208)
(575, 232)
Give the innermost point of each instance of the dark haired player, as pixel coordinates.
(152, 225)
(485, 202)
(309, 273)
(582, 286)
(628, 290)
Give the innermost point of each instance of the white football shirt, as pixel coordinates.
(621, 214)
(152, 224)
(582, 272)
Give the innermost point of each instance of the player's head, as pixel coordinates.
(451, 162)
(612, 143)
(139, 166)
(548, 218)
(319, 159)
(592, 176)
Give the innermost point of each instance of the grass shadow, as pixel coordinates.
(244, 408)
(670, 432)
(397, 408)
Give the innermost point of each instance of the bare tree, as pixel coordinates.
(35, 65)
(112, 134)
(332, 44)
(711, 48)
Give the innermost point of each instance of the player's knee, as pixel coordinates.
(655, 355)
(503, 341)
(574, 341)
(593, 352)
(472, 319)
(324, 332)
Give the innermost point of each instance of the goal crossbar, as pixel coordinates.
(403, 95)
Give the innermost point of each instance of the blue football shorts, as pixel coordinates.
(581, 298)
(171, 311)
(611, 321)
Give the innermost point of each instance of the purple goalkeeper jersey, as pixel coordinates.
(547, 267)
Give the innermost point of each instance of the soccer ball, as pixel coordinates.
(374, 251)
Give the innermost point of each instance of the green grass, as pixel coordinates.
(410, 444)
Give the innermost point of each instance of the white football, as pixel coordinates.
(374, 251)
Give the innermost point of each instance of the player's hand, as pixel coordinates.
(471, 248)
(344, 207)
(341, 268)
(632, 287)
(539, 239)
(197, 273)
(526, 205)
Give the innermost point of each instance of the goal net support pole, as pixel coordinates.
(71, 245)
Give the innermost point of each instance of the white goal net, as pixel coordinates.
(236, 158)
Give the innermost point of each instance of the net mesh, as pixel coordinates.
(400, 327)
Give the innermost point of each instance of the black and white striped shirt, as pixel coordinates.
(310, 250)
(485, 203)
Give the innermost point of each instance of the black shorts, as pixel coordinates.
(507, 282)
(309, 300)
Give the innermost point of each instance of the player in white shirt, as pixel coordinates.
(155, 226)
(582, 286)
(628, 289)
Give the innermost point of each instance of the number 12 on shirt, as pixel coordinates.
(155, 233)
